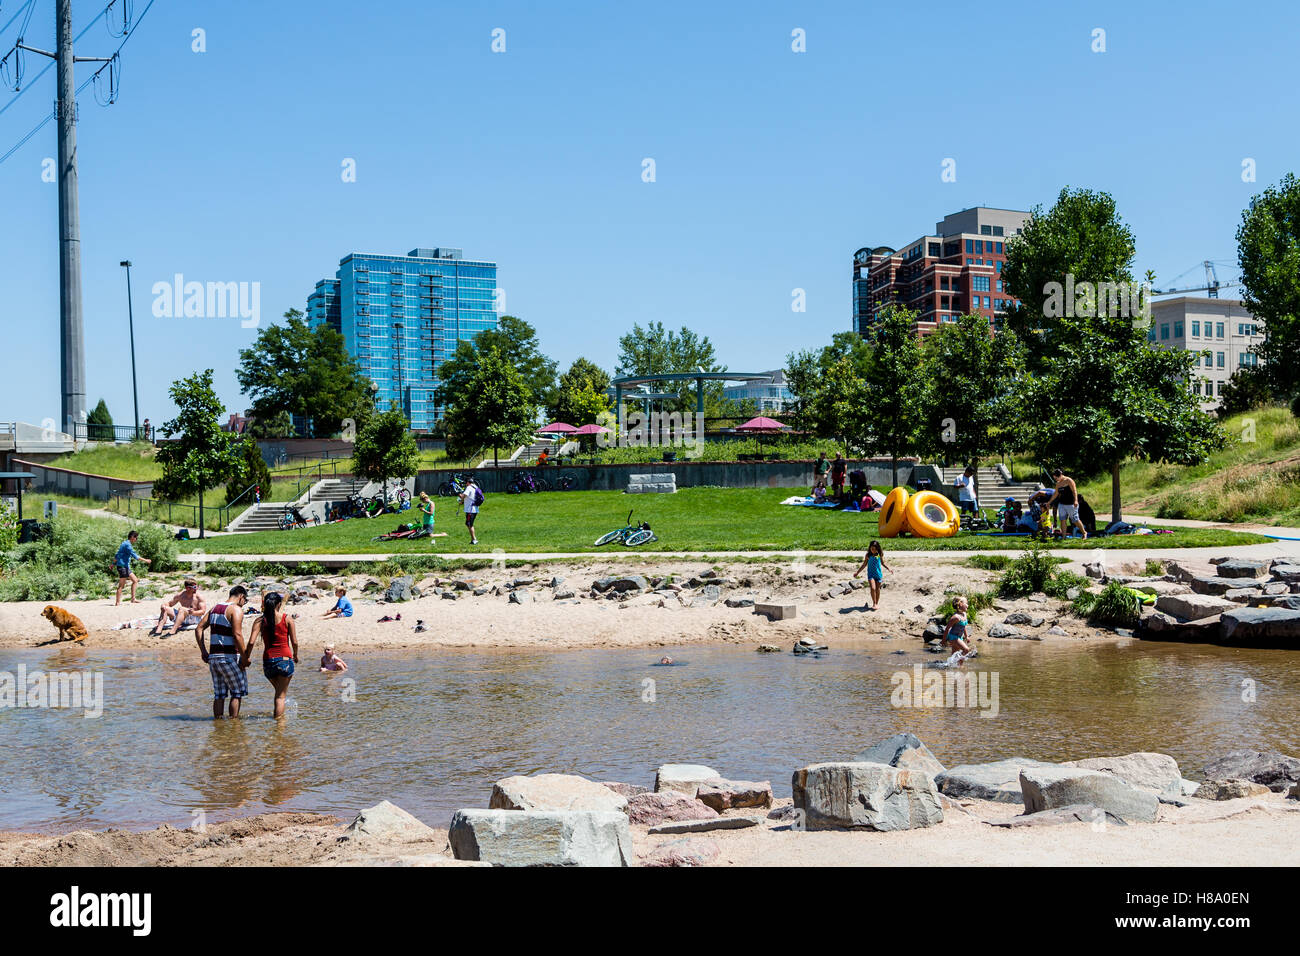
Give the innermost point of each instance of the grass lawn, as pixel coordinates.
(133, 462)
(694, 519)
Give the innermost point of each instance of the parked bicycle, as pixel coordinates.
(630, 534)
(453, 488)
(527, 481)
(294, 518)
(566, 482)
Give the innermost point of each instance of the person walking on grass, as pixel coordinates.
(279, 634)
(471, 498)
(874, 563)
(225, 654)
(1066, 497)
(126, 553)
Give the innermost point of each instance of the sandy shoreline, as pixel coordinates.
(586, 619)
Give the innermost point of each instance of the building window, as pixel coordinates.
(1209, 360)
(1196, 330)
(1151, 334)
(979, 246)
(1196, 386)
(980, 283)
(1218, 330)
(986, 302)
(999, 265)
(999, 285)
(1220, 360)
(970, 245)
(998, 250)
(1164, 331)
(986, 230)
(1220, 387)
(997, 231)
(1178, 330)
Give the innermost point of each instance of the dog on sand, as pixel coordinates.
(69, 625)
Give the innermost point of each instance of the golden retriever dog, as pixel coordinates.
(69, 625)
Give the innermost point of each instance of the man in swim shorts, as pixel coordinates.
(184, 610)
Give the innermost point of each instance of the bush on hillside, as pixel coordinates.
(77, 559)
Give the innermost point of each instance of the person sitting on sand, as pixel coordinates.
(191, 600)
(329, 661)
(955, 633)
(342, 606)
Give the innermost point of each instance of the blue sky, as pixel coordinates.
(771, 166)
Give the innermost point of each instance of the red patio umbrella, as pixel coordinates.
(592, 429)
(561, 427)
(760, 424)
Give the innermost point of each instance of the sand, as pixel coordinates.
(912, 592)
(1262, 831)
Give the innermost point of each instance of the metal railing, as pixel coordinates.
(88, 431)
(175, 512)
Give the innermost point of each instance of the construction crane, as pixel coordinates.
(1212, 283)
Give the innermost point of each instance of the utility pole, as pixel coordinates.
(72, 348)
(130, 318)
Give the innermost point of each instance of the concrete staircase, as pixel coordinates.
(266, 515)
(524, 455)
(993, 487)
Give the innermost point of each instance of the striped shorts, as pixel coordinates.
(228, 678)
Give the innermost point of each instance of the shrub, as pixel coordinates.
(77, 559)
(1153, 567)
(1030, 573)
(1060, 583)
(1115, 606)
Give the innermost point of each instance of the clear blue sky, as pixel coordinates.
(772, 166)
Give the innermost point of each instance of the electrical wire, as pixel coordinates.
(50, 64)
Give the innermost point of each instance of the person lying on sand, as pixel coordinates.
(190, 600)
(329, 661)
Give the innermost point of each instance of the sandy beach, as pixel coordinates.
(483, 615)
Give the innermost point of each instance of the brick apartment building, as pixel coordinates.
(956, 270)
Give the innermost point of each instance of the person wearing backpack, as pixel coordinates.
(471, 500)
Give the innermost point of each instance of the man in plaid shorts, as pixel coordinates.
(224, 656)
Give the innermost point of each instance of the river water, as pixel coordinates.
(431, 730)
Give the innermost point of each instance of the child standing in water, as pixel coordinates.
(955, 633)
(874, 563)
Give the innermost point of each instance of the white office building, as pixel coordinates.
(1220, 331)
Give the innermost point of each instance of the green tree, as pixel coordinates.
(579, 397)
(654, 350)
(1079, 244)
(385, 448)
(897, 384)
(1250, 386)
(276, 425)
(805, 372)
(972, 404)
(250, 469)
(517, 341)
(1268, 252)
(493, 408)
(841, 407)
(99, 423)
(299, 369)
(201, 455)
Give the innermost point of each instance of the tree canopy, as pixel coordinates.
(200, 456)
(385, 447)
(1268, 252)
(517, 342)
(579, 397)
(656, 350)
(493, 408)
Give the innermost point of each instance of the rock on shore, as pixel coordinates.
(541, 837)
(868, 795)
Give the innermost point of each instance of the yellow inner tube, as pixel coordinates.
(931, 515)
(893, 513)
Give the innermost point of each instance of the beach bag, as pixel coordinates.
(478, 497)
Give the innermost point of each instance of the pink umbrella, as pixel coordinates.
(561, 427)
(592, 429)
(760, 424)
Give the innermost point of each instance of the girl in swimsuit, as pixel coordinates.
(955, 632)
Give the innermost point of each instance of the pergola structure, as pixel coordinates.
(699, 378)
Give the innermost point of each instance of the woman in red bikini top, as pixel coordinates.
(279, 634)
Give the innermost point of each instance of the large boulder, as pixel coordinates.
(683, 777)
(998, 781)
(1285, 572)
(1229, 790)
(1079, 813)
(1048, 788)
(1289, 602)
(1239, 568)
(1161, 588)
(723, 795)
(1274, 770)
(1158, 626)
(400, 589)
(904, 751)
(653, 809)
(1193, 607)
(688, 851)
(554, 791)
(1146, 771)
(1262, 627)
(869, 795)
(541, 837)
(387, 823)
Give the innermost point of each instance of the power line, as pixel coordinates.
(49, 66)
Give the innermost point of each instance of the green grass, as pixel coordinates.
(133, 462)
(693, 519)
(1255, 477)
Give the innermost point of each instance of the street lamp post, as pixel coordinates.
(130, 318)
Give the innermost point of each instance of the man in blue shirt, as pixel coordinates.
(122, 562)
(342, 607)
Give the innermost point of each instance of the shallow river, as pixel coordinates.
(431, 730)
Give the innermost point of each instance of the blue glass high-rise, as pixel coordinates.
(401, 317)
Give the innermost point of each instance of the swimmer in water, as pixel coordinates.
(330, 661)
(665, 660)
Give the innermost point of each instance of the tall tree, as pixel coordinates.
(516, 340)
(304, 370)
(896, 381)
(972, 404)
(1098, 391)
(250, 469)
(201, 456)
(579, 397)
(841, 407)
(655, 350)
(493, 408)
(385, 448)
(1268, 252)
(805, 372)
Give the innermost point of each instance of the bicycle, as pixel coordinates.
(630, 535)
(522, 481)
(453, 488)
(566, 482)
(293, 518)
(399, 499)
